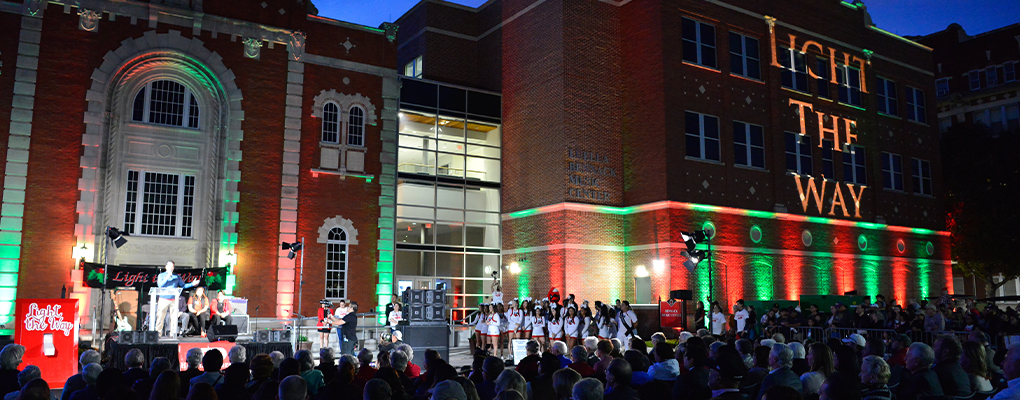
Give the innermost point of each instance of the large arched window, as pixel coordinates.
(330, 123)
(356, 127)
(336, 264)
(166, 102)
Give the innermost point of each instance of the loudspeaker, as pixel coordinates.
(281, 335)
(127, 337)
(150, 337)
(435, 296)
(138, 337)
(435, 313)
(416, 312)
(681, 294)
(263, 336)
(223, 332)
(426, 336)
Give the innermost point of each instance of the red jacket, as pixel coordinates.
(582, 368)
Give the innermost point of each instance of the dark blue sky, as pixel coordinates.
(902, 17)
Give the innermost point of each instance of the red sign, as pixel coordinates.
(222, 345)
(48, 328)
(670, 314)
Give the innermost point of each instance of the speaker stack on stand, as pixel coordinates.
(426, 325)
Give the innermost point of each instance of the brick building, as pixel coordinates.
(211, 131)
(628, 122)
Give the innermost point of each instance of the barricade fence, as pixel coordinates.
(927, 337)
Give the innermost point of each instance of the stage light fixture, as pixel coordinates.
(515, 268)
(293, 247)
(693, 258)
(691, 239)
(116, 236)
(640, 271)
(658, 265)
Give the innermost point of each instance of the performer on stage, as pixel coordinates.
(167, 279)
(324, 326)
(348, 328)
(221, 309)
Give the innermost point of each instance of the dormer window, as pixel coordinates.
(166, 102)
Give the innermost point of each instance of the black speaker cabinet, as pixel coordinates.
(426, 336)
(681, 294)
(435, 297)
(222, 332)
(150, 337)
(127, 337)
(435, 313)
(281, 335)
(263, 336)
(416, 312)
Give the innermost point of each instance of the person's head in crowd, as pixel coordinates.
(947, 349)
(431, 356)
(839, 387)
(293, 388)
(619, 373)
(398, 360)
(548, 364)
(238, 355)
(384, 359)
(663, 352)
(365, 357)
(708, 341)
(88, 357)
(874, 348)
(856, 341)
(159, 364)
(134, 358)
(396, 336)
(591, 344)
(509, 395)
(36, 389)
(745, 346)
(511, 380)
(345, 370)
(491, 368)
(617, 344)
(900, 342)
(779, 337)
(727, 372)
(235, 377)
(977, 335)
(781, 393)
(605, 349)
(327, 355)
(277, 358)
(448, 390)
(761, 356)
(695, 357)
(578, 354)
(1011, 364)
(91, 373)
(874, 371)
(559, 348)
(10, 356)
(819, 358)
(658, 337)
(919, 357)
(289, 366)
(780, 357)
(166, 387)
(212, 361)
(194, 357)
(636, 343)
(714, 348)
(377, 389)
(845, 360)
(532, 347)
(109, 379)
(469, 387)
(973, 360)
(638, 360)
(406, 348)
(564, 381)
(350, 359)
(261, 367)
(28, 374)
(799, 352)
(305, 361)
(768, 343)
(684, 336)
(587, 389)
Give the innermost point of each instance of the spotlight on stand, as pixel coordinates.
(293, 247)
(693, 258)
(691, 239)
(116, 236)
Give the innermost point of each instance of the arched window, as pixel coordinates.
(336, 264)
(330, 123)
(356, 127)
(166, 102)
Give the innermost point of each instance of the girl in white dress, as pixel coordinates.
(571, 324)
(626, 318)
(526, 314)
(604, 322)
(718, 320)
(555, 326)
(492, 323)
(538, 327)
(513, 317)
(482, 327)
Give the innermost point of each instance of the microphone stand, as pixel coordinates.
(255, 332)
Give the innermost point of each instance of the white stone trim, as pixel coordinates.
(338, 222)
(344, 102)
(286, 284)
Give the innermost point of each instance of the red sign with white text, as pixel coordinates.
(48, 328)
(670, 314)
(222, 345)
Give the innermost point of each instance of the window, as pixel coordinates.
(336, 264)
(886, 92)
(849, 79)
(922, 177)
(795, 74)
(975, 80)
(854, 169)
(748, 145)
(166, 102)
(828, 164)
(991, 78)
(1009, 72)
(330, 123)
(798, 153)
(702, 136)
(942, 87)
(356, 127)
(159, 204)
(823, 78)
(744, 58)
(699, 43)
(413, 68)
(915, 105)
(892, 171)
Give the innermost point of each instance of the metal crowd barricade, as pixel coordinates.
(927, 337)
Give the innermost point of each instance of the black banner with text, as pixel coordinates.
(115, 276)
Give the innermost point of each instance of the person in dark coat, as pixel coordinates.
(952, 377)
(693, 384)
(327, 364)
(618, 381)
(77, 381)
(541, 388)
(528, 366)
(343, 386)
(725, 376)
(194, 359)
(10, 358)
(144, 386)
(135, 361)
(491, 368)
(90, 374)
(922, 381)
(234, 379)
(780, 361)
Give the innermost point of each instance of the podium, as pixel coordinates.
(154, 294)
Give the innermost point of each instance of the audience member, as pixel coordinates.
(194, 359)
(973, 362)
(445, 390)
(780, 361)
(202, 391)
(693, 383)
(528, 366)
(134, 360)
(666, 367)
(591, 344)
(563, 382)
(639, 367)
(166, 387)
(541, 388)
(399, 361)
(874, 378)
(293, 388)
(108, 380)
(365, 370)
(37, 389)
(820, 359)
(413, 371)
(491, 368)
(30, 373)
(922, 380)
(618, 381)
(234, 379)
(947, 367)
(261, 372)
(144, 386)
(77, 381)
(212, 361)
(800, 363)
(306, 369)
(10, 358)
(511, 380)
(587, 389)
(839, 387)
(327, 364)
(90, 374)
(725, 376)
(378, 389)
(579, 356)
(604, 350)
(469, 387)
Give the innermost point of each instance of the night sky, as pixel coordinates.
(902, 17)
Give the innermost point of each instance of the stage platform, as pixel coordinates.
(175, 350)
